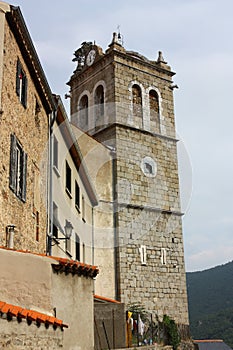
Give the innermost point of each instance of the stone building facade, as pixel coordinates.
(25, 108)
(125, 101)
(73, 195)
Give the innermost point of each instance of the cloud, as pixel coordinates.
(208, 258)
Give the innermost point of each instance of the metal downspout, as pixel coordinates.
(115, 222)
(50, 180)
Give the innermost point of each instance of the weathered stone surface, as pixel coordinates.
(31, 129)
(21, 336)
(149, 257)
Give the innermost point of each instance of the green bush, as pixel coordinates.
(171, 332)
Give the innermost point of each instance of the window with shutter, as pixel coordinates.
(68, 179)
(83, 209)
(18, 169)
(77, 196)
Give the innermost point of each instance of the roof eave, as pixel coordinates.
(23, 38)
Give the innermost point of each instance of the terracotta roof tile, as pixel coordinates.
(65, 264)
(30, 315)
(98, 297)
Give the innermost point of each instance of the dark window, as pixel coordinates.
(137, 101)
(18, 169)
(68, 179)
(154, 111)
(55, 152)
(83, 209)
(83, 112)
(148, 168)
(77, 247)
(77, 196)
(55, 220)
(21, 84)
(99, 104)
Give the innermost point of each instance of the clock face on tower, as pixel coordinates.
(90, 57)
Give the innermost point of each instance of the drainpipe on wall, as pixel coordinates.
(115, 221)
(93, 237)
(52, 119)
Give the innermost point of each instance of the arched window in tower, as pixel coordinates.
(137, 105)
(83, 112)
(99, 105)
(154, 111)
(137, 100)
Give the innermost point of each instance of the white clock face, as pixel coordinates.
(90, 57)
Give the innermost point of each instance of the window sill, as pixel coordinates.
(56, 171)
(68, 193)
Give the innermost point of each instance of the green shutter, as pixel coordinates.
(24, 91)
(18, 72)
(23, 180)
(12, 175)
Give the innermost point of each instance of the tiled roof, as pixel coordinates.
(75, 267)
(104, 299)
(30, 315)
(65, 265)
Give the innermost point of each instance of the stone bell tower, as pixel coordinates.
(125, 101)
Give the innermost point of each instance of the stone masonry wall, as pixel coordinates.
(31, 130)
(21, 336)
(150, 264)
(127, 74)
(145, 218)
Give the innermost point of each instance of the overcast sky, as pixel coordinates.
(196, 39)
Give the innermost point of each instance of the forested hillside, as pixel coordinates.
(210, 297)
